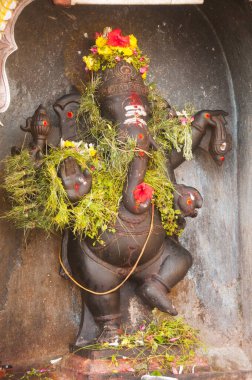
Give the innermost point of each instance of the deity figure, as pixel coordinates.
(138, 247)
(140, 243)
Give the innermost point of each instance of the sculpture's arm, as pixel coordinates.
(220, 142)
(187, 199)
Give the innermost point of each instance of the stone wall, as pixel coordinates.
(199, 55)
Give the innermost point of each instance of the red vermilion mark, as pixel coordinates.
(76, 187)
(189, 201)
(135, 99)
(141, 154)
(140, 136)
(45, 123)
(222, 158)
(70, 115)
(207, 115)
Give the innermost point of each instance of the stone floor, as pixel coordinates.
(93, 367)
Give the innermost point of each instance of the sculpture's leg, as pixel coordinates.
(177, 261)
(106, 312)
(95, 275)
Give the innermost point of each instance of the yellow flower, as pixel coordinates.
(129, 60)
(100, 41)
(69, 144)
(133, 41)
(105, 50)
(126, 51)
(92, 151)
(89, 61)
(144, 75)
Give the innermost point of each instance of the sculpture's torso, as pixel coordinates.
(123, 247)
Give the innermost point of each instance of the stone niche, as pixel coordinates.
(199, 55)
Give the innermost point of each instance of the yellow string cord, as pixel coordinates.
(128, 275)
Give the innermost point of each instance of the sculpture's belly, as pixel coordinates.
(123, 247)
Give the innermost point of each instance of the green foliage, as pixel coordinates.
(38, 196)
(157, 177)
(36, 374)
(169, 132)
(168, 341)
(20, 181)
(89, 112)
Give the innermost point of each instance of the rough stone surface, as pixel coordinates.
(198, 55)
(230, 358)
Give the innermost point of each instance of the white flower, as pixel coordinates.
(140, 342)
(115, 343)
(62, 143)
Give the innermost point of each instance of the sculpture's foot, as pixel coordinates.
(109, 328)
(154, 293)
(109, 334)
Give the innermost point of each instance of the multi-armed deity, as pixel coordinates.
(110, 185)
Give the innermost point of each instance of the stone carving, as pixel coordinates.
(138, 247)
(8, 46)
(164, 262)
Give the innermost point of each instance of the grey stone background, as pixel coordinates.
(199, 55)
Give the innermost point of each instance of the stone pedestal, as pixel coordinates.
(98, 365)
(109, 364)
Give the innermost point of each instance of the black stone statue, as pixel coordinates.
(164, 262)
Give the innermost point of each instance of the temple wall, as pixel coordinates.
(199, 55)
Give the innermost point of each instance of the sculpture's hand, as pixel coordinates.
(207, 118)
(221, 141)
(75, 182)
(220, 144)
(187, 199)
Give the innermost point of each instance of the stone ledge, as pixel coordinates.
(93, 367)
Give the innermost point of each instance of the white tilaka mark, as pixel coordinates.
(132, 114)
(135, 120)
(133, 110)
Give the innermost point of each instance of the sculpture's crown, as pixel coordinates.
(111, 48)
(122, 79)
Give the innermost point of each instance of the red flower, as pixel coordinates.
(143, 192)
(115, 38)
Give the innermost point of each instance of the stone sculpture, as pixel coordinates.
(123, 99)
(138, 247)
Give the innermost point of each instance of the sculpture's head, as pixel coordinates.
(39, 126)
(40, 123)
(123, 69)
(123, 94)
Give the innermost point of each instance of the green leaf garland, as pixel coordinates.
(38, 196)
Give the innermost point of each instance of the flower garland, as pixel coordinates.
(112, 47)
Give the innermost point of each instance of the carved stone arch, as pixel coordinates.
(8, 45)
